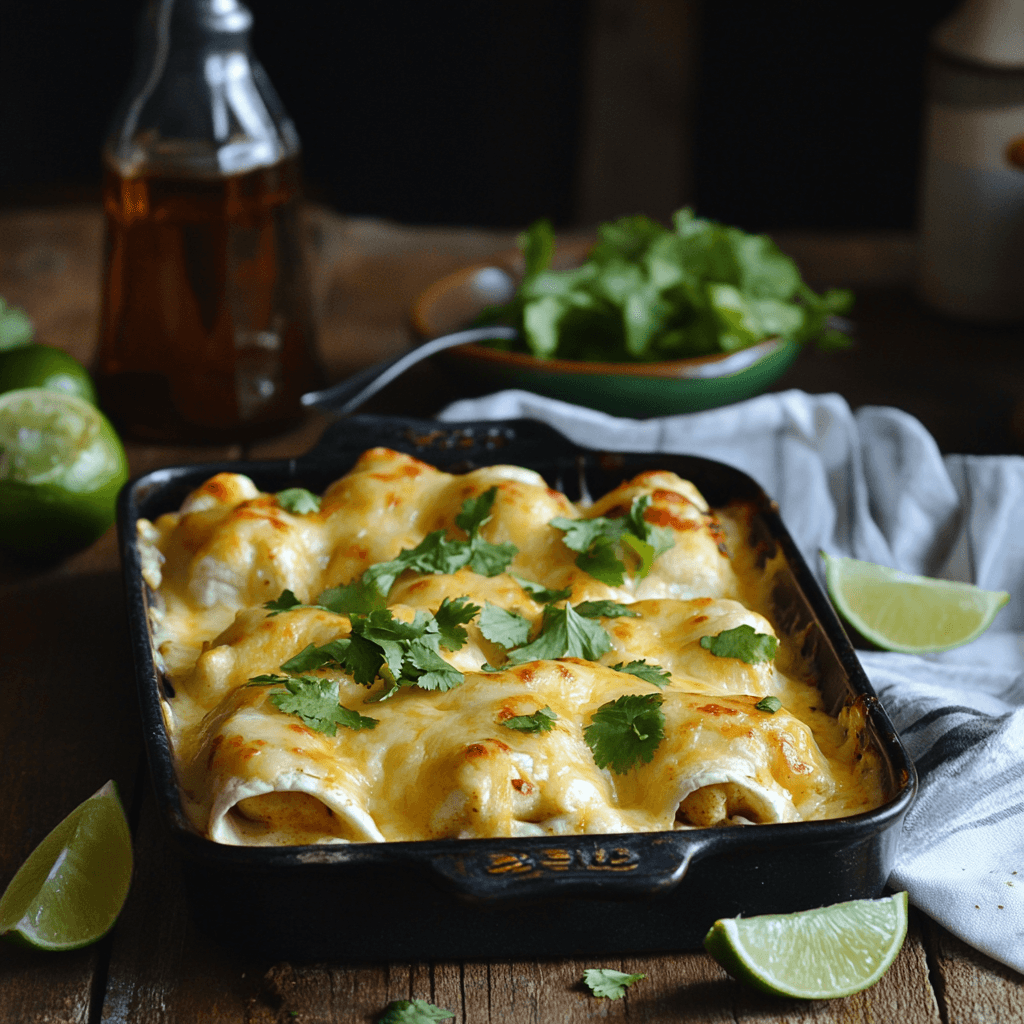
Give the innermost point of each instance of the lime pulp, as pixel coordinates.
(70, 890)
(825, 953)
(911, 614)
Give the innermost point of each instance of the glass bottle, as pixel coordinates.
(206, 328)
(971, 261)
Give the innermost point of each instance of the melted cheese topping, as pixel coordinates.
(441, 764)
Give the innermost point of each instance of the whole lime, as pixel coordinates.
(42, 366)
(61, 468)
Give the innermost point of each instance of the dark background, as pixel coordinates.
(806, 115)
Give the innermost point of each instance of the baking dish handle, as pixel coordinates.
(611, 867)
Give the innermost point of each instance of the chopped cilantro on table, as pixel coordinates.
(315, 701)
(298, 500)
(542, 720)
(601, 541)
(647, 292)
(647, 672)
(608, 984)
(413, 1011)
(743, 642)
(436, 553)
(625, 732)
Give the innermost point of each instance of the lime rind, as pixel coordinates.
(909, 614)
(71, 888)
(827, 953)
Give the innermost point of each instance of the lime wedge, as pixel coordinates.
(74, 883)
(816, 954)
(61, 468)
(911, 614)
(41, 366)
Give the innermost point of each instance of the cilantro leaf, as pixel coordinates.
(626, 731)
(413, 1011)
(770, 704)
(504, 628)
(646, 292)
(605, 610)
(476, 511)
(608, 984)
(298, 500)
(450, 618)
(600, 541)
(648, 673)
(284, 603)
(436, 553)
(742, 642)
(564, 634)
(542, 720)
(315, 701)
(541, 593)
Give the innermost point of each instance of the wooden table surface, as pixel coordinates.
(70, 721)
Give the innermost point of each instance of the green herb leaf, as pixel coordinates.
(646, 292)
(542, 720)
(770, 704)
(504, 628)
(601, 541)
(648, 673)
(298, 500)
(286, 602)
(450, 618)
(605, 610)
(413, 1011)
(626, 731)
(541, 593)
(315, 701)
(16, 329)
(608, 984)
(742, 642)
(436, 554)
(564, 634)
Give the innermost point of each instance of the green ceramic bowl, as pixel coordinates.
(624, 389)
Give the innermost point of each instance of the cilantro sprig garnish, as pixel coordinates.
(743, 642)
(649, 673)
(604, 543)
(542, 594)
(770, 704)
(608, 984)
(436, 553)
(400, 653)
(625, 732)
(315, 701)
(284, 603)
(542, 720)
(298, 500)
(413, 1011)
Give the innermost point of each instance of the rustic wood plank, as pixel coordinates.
(69, 724)
(975, 988)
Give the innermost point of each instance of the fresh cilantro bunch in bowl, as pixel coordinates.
(647, 320)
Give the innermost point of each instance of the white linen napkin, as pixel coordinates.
(873, 485)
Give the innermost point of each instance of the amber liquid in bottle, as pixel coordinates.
(206, 330)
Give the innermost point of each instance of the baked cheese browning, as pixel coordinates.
(476, 751)
(443, 765)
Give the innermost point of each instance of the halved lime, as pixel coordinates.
(41, 366)
(74, 883)
(911, 614)
(815, 954)
(61, 467)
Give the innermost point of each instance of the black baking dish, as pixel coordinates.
(538, 896)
